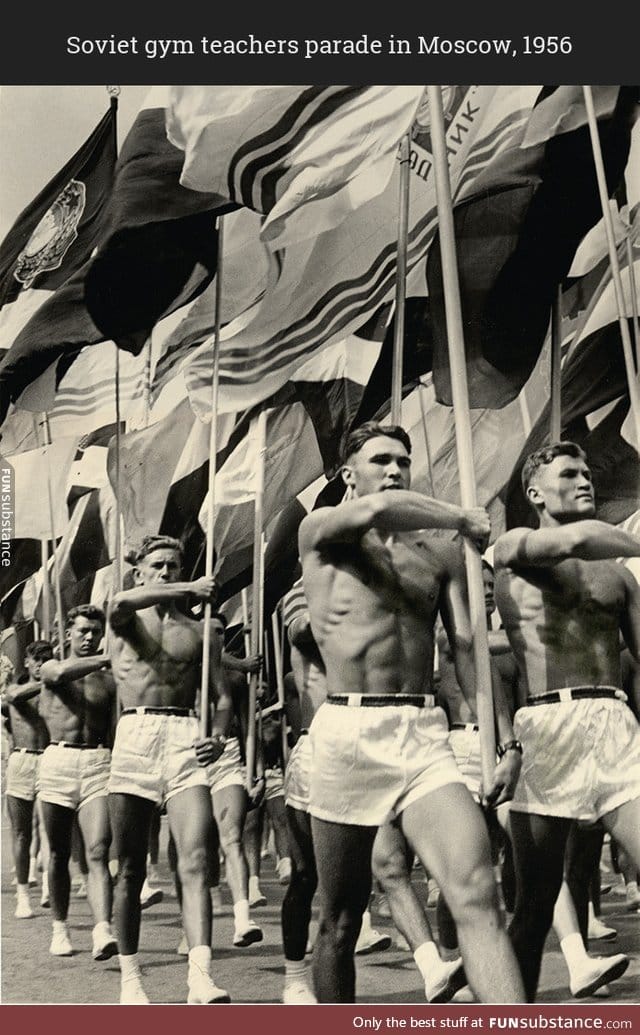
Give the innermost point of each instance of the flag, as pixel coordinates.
(302, 156)
(40, 493)
(292, 461)
(156, 250)
(323, 289)
(57, 232)
(516, 236)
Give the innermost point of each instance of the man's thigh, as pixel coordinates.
(191, 819)
(447, 830)
(230, 810)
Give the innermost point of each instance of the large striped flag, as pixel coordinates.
(322, 289)
(303, 156)
(517, 234)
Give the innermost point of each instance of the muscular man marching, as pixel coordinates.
(77, 702)
(159, 757)
(564, 602)
(374, 583)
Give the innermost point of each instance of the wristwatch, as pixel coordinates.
(511, 745)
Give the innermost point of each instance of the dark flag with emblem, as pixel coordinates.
(57, 232)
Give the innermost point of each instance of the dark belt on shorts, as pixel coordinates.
(382, 700)
(27, 751)
(577, 693)
(78, 747)
(144, 710)
(472, 727)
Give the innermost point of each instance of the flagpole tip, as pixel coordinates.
(113, 91)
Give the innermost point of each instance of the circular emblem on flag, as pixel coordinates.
(54, 234)
(421, 129)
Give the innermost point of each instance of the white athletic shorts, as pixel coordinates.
(154, 756)
(72, 776)
(581, 758)
(22, 773)
(298, 775)
(274, 784)
(229, 770)
(465, 744)
(371, 763)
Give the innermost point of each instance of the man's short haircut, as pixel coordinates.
(371, 429)
(545, 456)
(89, 611)
(151, 543)
(486, 566)
(39, 650)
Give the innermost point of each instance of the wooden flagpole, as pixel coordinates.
(427, 449)
(279, 662)
(259, 426)
(634, 297)
(556, 367)
(56, 572)
(205, 717)
(464, 446)
(401, 281)
(46, 589)
(634, 391)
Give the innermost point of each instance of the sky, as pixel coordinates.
(41, 127)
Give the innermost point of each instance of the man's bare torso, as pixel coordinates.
(157, 660)
(28, 728)
(373, 606)
(79, 711)
(563, 623)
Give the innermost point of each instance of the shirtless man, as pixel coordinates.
(77, 703)
(564, 602)
(30, 738)
(159, 756)
(374, 583)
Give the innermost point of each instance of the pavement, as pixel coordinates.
(253, 975)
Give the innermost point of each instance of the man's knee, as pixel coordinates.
(470, 889)
(341, 929)
(389, 868)
(193, 861)
(97, 851)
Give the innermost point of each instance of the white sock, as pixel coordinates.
(573, 950)
(632, 889)
(295, 970)
(129, 967)
(22, 890)
(102, 927)
(241, 913)
(427, 957)
(254, 885)
(199, 961)
(45, 882)
(59, 925)
(366, 922)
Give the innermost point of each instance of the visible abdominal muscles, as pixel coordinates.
(163, 683)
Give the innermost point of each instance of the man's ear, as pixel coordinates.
(534, 496)
(347, 476)
(137, 576)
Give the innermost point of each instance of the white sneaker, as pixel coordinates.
(256, 898)
(81, 890)
(61, 943)
(203, 990)
(104, 944)
(283, 870)
(244, 936)
(45, 901)
(598, 931)
(448, 979)
(150, 896)
(23, 907)
(183, 947)
(632, 899)
(33, 872)
(298, 993)
(371, 941)
(596, 972)
(132, 993)
(383, 906)
(402, 943)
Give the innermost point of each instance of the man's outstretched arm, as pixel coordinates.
(128, 601)
(588, 540)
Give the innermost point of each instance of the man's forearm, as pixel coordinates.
(73, 668)
(141, 597)
(23, 693)
(400, 510)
